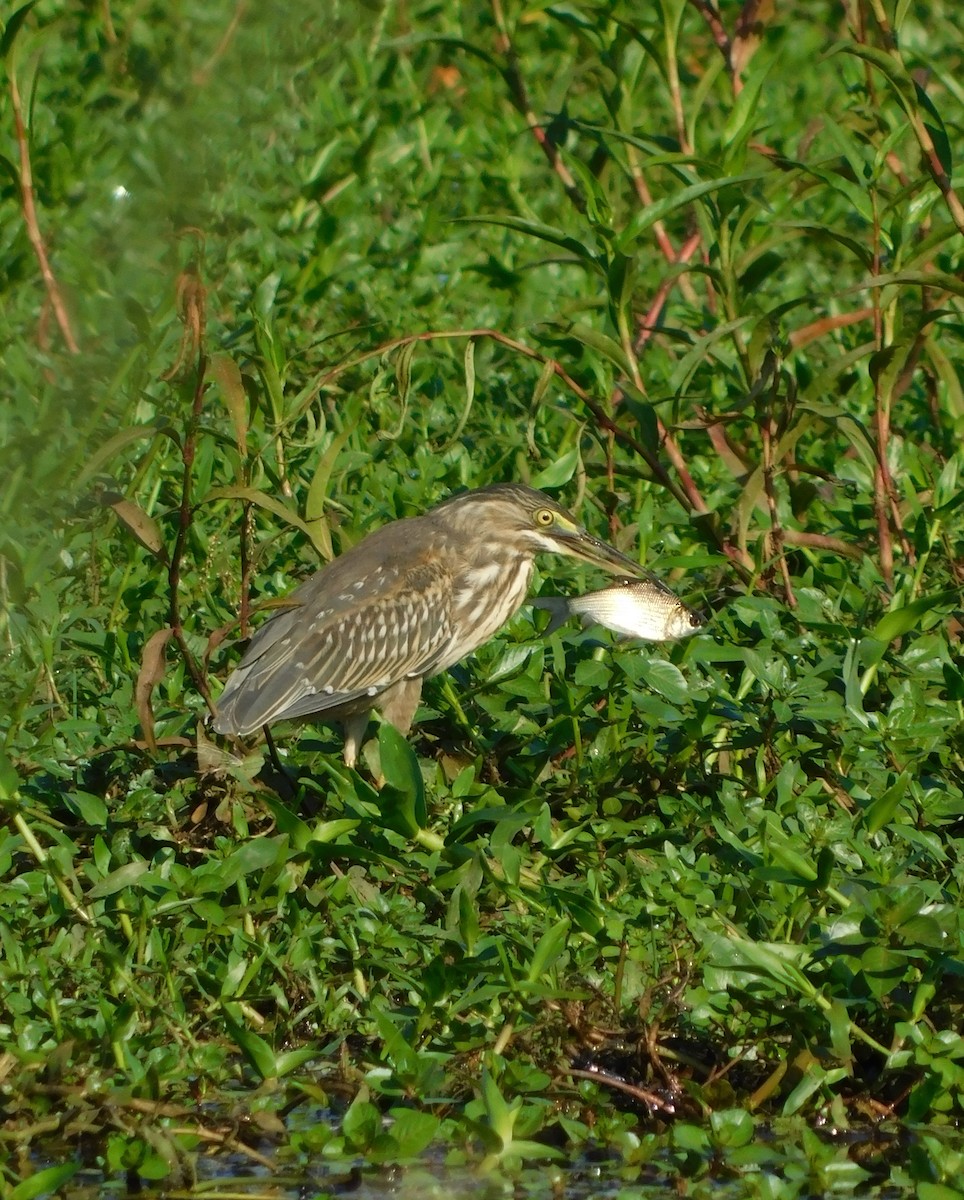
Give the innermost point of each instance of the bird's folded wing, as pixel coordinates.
(306, 661)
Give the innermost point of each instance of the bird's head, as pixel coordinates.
(511, 516)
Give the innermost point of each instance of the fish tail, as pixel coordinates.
(558, 606)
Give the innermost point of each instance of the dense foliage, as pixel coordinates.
(271, 279)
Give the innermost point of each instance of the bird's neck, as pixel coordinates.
(490, 592)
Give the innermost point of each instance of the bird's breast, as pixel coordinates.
(486, 596)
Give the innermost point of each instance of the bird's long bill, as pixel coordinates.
(591, 550)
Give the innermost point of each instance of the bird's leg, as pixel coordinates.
(399, 703)
(278, 765)
(354, 727)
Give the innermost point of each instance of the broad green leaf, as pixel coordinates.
(732, 1127)
(88, 807)
(402, 799)
(44, 1182)
(412, 1130)
(550, 946)
(124, 877)
(255, 1049)
(298, 832)
(559, 472)
(362, 1122)
(840, 1025)
(902, 620)
(881, 811)
(252, 857)
(9, 780)
(813, 1081)
(787, 855)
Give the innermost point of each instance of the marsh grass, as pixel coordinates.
(697, 274)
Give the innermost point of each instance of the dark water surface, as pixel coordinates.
(780, 1164)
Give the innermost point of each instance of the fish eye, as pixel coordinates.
(545, 517)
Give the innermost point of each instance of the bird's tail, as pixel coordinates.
(558, 606)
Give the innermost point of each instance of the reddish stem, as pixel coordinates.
(33, 225)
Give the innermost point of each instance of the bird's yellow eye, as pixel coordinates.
(545, 517)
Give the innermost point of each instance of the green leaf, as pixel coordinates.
(658, 211)
(468, 919)
(124, 877)
(252, 858)
(840, 1027)
(298, 832)
(412, 1130)
(881, 811)
(293, 1060)
(732, 1127)
(935, 127)
(254, 1048)
(550, 946)
(362, 1123)
(402, 799)
(559, 472)
(938, 1191)
(500, 1113)
(743, 118)
(44, 1182)
(11, 27)
(110, 449)
(902, 620)
(665, 678)
(886, 63)
(607, 346)
(799, 869)
(261, 500)
(776, 961)
(91, 809)
(544, 233)
(9, 780)
(816, 1079)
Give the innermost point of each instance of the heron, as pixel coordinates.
(408, 601)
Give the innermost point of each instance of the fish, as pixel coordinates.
(634, 608)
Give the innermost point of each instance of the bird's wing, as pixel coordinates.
(337, 648)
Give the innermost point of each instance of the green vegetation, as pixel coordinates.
(698, 275)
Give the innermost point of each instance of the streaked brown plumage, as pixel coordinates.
(408, 601)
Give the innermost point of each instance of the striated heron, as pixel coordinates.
(408, 601)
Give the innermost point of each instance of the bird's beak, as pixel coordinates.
(584, 546)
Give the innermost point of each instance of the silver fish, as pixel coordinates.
(636, 608)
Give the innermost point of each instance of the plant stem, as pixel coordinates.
(29, 208)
